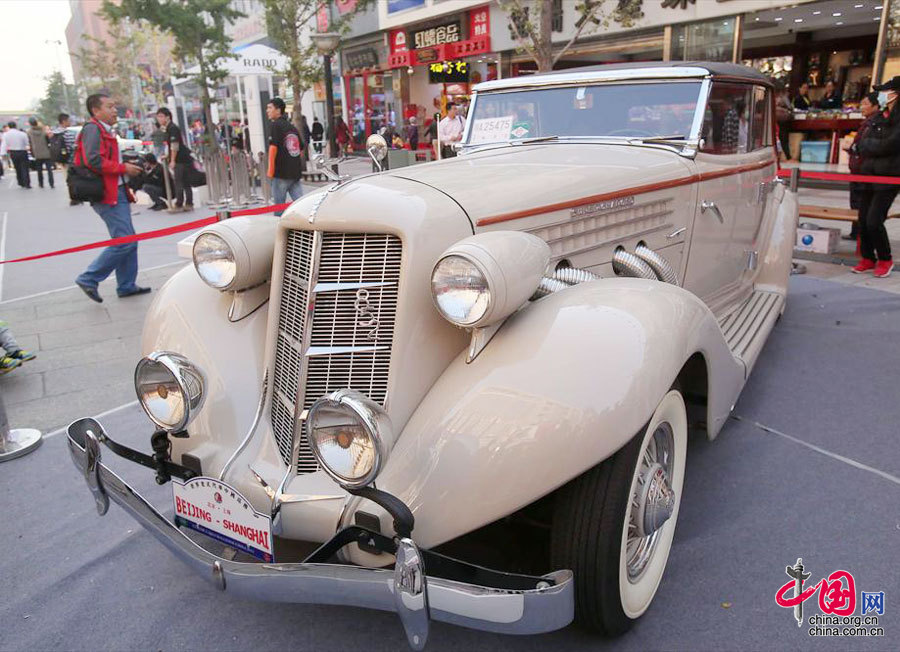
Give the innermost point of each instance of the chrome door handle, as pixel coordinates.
(707, 205)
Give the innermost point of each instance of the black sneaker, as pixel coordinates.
(136, 291)
(92, 293)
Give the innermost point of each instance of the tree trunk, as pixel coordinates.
(209, 139)
(545, 31)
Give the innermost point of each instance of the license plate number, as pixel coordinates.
(219, 511)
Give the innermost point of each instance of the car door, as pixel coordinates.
(757, 180)
(714, 272)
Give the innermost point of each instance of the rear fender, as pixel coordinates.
(562, 386)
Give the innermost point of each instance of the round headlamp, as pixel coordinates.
(214, 260)
(170, 389)
(350, 436)
(460, 290)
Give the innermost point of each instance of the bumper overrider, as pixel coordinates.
(423, 585)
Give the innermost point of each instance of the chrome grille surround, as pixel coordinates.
(335, 327)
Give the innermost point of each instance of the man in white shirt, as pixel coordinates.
(450, 130)
(15, 143)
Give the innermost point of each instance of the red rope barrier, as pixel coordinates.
(834, 176)
(147, 235)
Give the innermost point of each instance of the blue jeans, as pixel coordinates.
(121, 259)
(281, 188)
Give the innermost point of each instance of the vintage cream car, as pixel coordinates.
(488, 360)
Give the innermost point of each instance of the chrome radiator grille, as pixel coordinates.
(336, 325)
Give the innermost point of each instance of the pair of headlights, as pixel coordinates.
(349, 434)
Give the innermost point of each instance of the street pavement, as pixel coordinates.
(755, 500)
(799, 473)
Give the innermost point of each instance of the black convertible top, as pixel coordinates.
(715, 68)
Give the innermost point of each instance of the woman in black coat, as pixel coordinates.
(880, 149)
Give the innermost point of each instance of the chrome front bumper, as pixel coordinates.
(406, 589)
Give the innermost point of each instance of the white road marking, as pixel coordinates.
(2, 248)
(819, 449)
(97, 416)
(72, 287)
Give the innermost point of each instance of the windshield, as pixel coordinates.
(655, 109)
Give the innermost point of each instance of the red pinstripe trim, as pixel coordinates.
(634, 190)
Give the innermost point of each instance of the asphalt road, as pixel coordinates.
(821, 482)
(41, 220)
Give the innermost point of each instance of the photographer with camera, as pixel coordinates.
(155, 183)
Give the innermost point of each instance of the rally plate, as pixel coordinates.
(213, 508)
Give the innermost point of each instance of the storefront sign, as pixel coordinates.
(361, 58)
(431, 36)
(448, 71)
(398, 41)
(427, 55)
(399, 5)
(479, 22)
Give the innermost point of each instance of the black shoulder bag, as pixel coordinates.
(84, 184)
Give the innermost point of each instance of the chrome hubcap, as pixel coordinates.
(653, 500)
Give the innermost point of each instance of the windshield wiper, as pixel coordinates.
(676, 139)
(536, 139)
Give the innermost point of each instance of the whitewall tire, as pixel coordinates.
(613, 526)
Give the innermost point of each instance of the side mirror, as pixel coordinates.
(377, 148)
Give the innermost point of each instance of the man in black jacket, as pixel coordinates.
(154, 182)
(880, 150)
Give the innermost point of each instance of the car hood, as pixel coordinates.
(507, 180)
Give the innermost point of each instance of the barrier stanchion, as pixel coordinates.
(15, 442)
(795, 180)
(265, 185)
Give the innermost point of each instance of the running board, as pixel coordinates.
(746, 328)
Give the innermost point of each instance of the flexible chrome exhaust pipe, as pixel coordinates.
(627, 264)
(548, 286)
(657, 263)
(573, 276)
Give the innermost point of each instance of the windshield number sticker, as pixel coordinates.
(491, 130)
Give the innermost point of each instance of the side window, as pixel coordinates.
(761, 131)
(726, 124)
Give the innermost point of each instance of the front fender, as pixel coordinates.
(191, 318)
(562, 386)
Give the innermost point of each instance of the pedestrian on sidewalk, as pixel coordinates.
(62, 147)
(868, 106)
(154, 182)
(317, 133)
(285, 149)
(40, 151)
(13, 354)
(98, 150)
(15, 144)
(880, 149)
(450, 131)
(179, 160)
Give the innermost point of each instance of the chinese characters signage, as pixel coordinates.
(448, 72)
(432, 36)
(398, 41)
(361, 58)
(479, 22)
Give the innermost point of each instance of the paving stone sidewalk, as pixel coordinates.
(86, 352)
